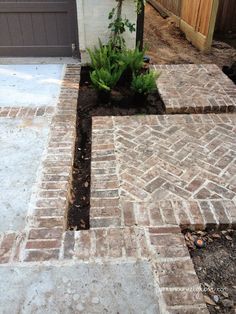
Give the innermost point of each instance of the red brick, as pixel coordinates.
(183, 297)
(45, 233)
(102, 246)
(196, 215)
(41, 255)
(116, 242)
(6, 247)
(165, 230)
(50, 222)
(43, 244)
(83, 244)
(130, 242)
(129, 216)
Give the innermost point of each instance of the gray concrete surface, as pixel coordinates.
(22, 142)
(30, 85)
(39, 60)
(125, 288)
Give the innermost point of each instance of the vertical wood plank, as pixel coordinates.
(38, 29)
(14, 29)
(26, 27)
(5, 38)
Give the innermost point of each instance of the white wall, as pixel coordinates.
(93, 22)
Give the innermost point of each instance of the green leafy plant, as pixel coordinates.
(118, 26)
(139, 5)
(133, 59)
(145, 83)
(103, 55)
(106, 78)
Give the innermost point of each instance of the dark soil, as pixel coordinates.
(215, 265)
(88, 106)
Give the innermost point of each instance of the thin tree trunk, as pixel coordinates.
(118, 16)
(119, 8)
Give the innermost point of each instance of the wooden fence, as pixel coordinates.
(226, 18)
(196, 18)
(173, 6)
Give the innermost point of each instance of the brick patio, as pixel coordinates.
(152, 176)
(164, 170)
(191, 88)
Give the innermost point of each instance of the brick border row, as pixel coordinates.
(24, 112)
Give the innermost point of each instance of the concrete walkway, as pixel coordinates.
(22, 143)
(26, 90)
(78, 288)
(30, 85)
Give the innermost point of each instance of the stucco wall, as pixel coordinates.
(93, 22)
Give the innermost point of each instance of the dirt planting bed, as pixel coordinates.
(215, 265)
(88, 106)
(167, 44)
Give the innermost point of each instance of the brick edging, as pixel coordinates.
(24, 112)
(49, 217)
(177, 284)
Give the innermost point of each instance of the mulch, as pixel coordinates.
(215, 265)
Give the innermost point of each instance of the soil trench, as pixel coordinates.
(78, 214)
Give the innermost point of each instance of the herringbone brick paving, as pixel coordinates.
(150, 175)
(192, 88)
(160, 170)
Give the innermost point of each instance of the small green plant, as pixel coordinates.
(103, 55)
(106, 78)
(145, 83)
(118, 26)
(133, 59)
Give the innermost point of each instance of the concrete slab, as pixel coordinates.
(39, 60)
(22, 142)
(121, 287)
(30, 85)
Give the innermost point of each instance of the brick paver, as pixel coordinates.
(178, 286)
(192, 88)
(151, 176)
(161, 170)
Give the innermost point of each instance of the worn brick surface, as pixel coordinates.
(151, 177)
(164, 247)
(164, 170)
(23, 112)
(47, 217)
(11, 245)
(192, 88)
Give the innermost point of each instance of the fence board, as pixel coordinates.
(226, 18)
(173, 6)
(197, 19)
